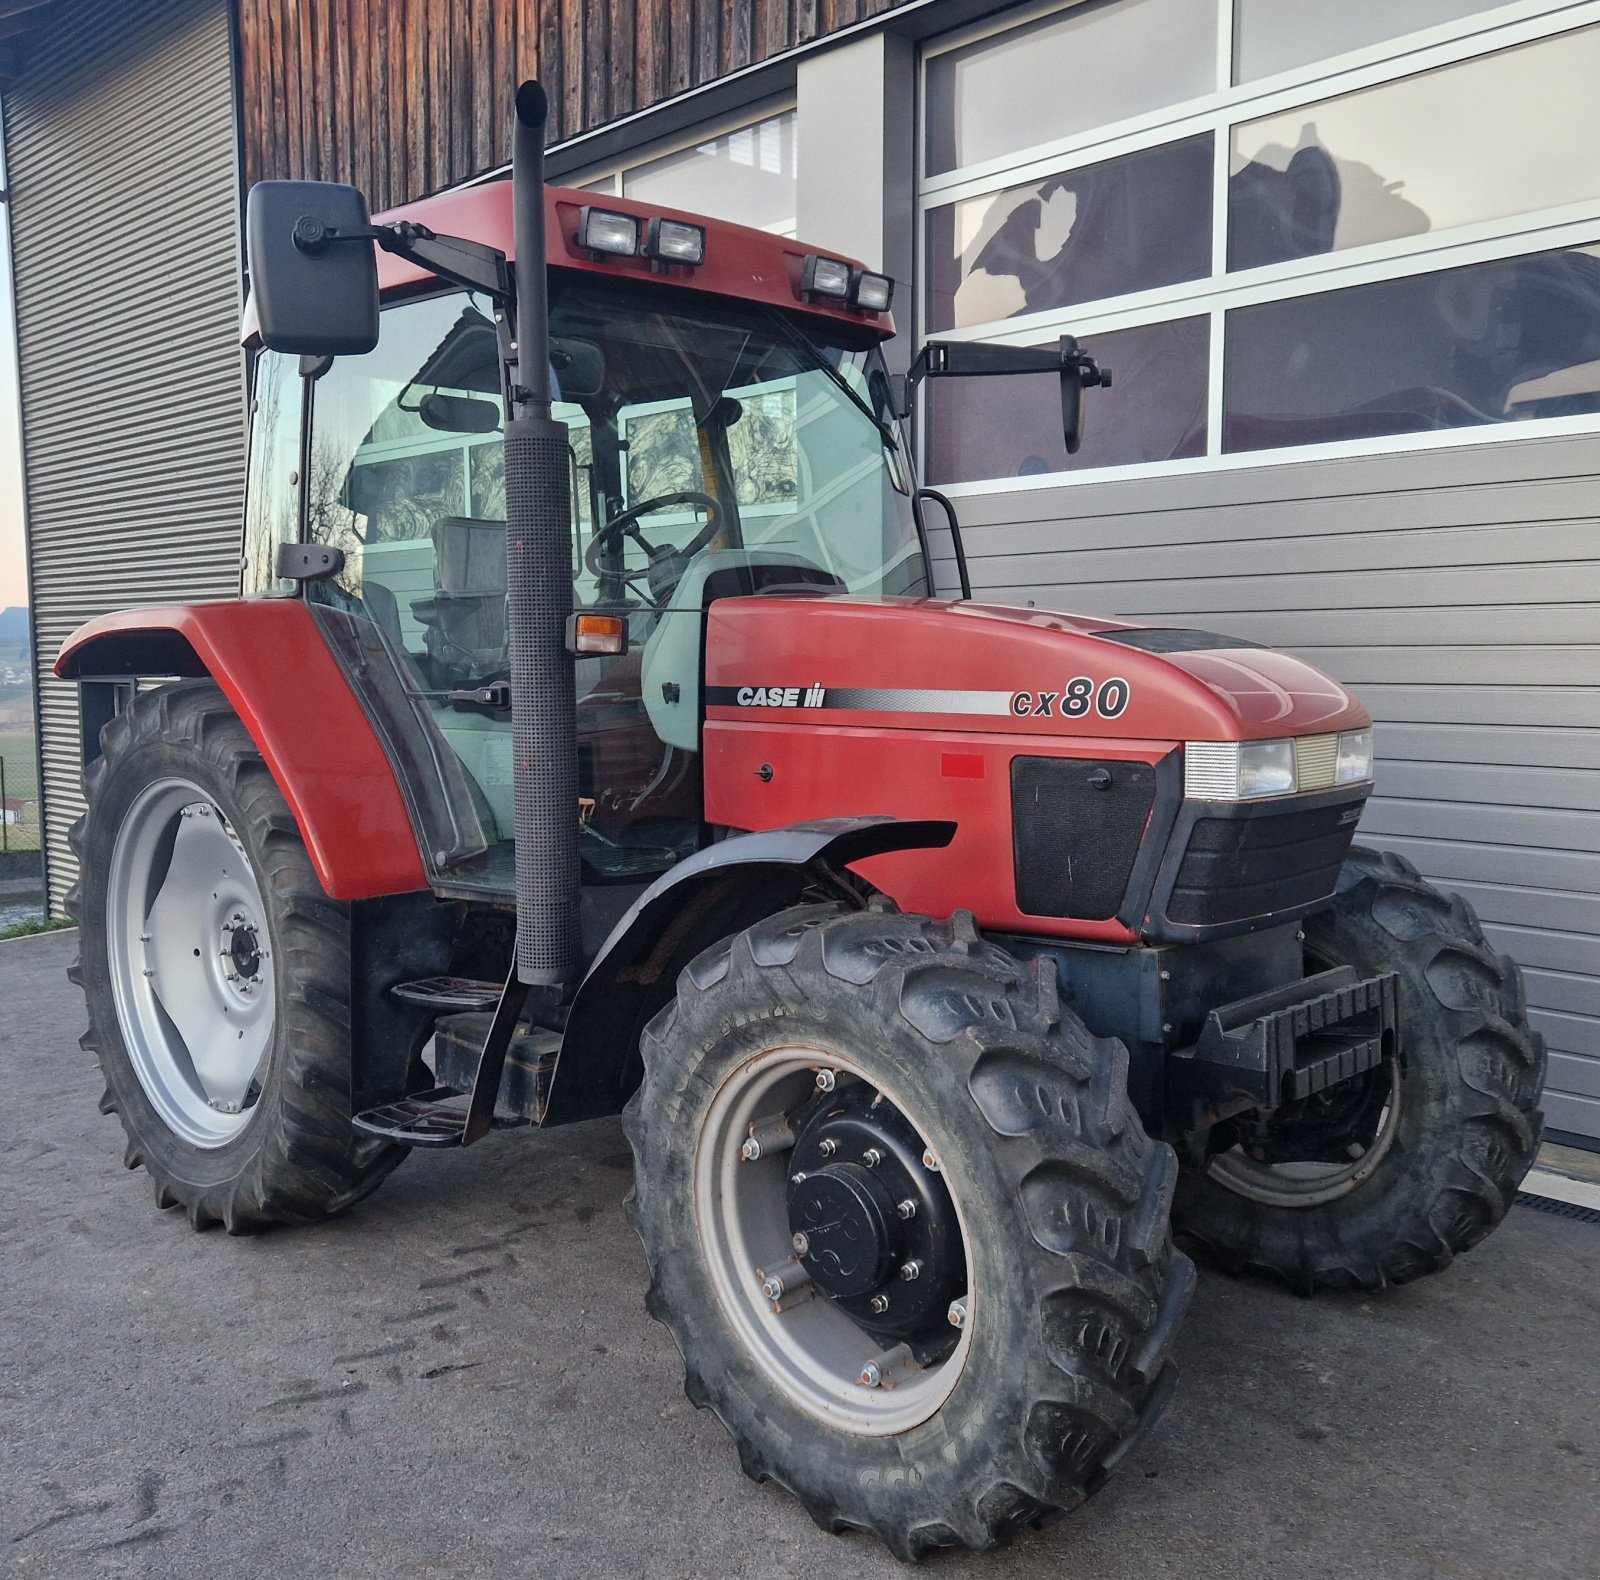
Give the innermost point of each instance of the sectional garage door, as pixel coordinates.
(1458, 592)
(122, 160)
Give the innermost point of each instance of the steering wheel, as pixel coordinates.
(662, 560)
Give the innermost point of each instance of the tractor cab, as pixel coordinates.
(714, 448)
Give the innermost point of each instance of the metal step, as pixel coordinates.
(448, 993)
(435, 1118)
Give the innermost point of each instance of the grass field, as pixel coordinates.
(21, 780)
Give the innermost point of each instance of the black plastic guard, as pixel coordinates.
(717, 891)
(1285, 1045)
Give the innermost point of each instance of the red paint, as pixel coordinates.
(854, 771)
(747, 265)
(829, 761)
(962, 765)
(272, 664)
(932, 644)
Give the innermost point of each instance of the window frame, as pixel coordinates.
(1393, 60)
(611, 171)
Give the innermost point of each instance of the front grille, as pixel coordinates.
(1315, 758)
(1077, 824)
(1274, 857)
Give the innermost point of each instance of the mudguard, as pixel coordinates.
(275, 669)
(720, 890)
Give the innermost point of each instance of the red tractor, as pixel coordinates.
(591, 743)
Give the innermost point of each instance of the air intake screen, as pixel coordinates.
(1076, 827)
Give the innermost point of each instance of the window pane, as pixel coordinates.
(1492, 342)
(1155, 410)
(1066, 74)
(747, 176)
(1422, 154)
(1127, 224)
(272, 499)
(1276, 35)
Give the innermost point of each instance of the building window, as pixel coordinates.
(746, 174)
(1284, 225)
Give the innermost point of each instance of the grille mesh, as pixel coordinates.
(1315, 758)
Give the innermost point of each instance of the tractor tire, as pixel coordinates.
(1454, 1117)
(1051, 1309)
(216, 972)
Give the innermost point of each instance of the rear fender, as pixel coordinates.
(275, 669)
(718, 891)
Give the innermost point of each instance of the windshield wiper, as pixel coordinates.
(817, 360)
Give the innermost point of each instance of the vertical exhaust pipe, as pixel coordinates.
(539, 597)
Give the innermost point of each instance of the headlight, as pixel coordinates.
(1355, 757)
(1266, 768)
(1238, 770)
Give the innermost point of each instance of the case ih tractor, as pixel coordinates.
(591, 742)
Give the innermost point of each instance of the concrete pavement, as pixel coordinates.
(458, 1378)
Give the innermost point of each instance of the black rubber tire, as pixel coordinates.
(1079, 1290)
(1470, 1074)
(299, 1159)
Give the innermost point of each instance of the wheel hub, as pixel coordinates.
(874, 1225)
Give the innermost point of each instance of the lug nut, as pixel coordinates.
(907, 1208)
(872, 1157)
(772, 1288)
(827, 1146)
(797, 1178)
(957, 1313)
(750, 1151)
(870, 1376)
(801, 1242)
(826, 1080)
(930, 1161)
(879, 1304)
(911, 1270)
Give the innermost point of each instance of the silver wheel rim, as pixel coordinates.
(811, 1351)
(1309, 1184)
(190, 960)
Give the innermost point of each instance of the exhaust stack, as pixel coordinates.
(539, 597)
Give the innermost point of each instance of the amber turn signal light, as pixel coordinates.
(592, 634)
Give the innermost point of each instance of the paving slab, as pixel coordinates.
(458, 1378)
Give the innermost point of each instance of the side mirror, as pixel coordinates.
(975, 359)
(313, 268)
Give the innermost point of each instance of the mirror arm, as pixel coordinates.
(453, 258)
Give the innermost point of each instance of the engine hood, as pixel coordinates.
(916, 663)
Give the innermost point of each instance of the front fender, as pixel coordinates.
(707, 896)
(274, 667)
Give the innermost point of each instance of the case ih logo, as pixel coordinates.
(780, 696)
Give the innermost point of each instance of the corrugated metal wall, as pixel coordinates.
(1458, 592)
(123, 157)
(403, 97)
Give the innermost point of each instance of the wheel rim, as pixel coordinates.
(810, 1350)
(1312, 1184)
(191, 961)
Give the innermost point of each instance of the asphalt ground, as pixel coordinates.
(458, 1379)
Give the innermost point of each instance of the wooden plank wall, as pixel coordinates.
(403, 97)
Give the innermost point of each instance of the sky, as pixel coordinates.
(13, 575)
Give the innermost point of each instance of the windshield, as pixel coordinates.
(710, 427)
(714, 449)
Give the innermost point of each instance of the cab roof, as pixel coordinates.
(740, 262)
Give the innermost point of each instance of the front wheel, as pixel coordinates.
(904, 1224)
(216, 973)
(1388, 1176)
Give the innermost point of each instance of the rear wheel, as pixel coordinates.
(1387, 1177)
(904, 1225)
(216, 973)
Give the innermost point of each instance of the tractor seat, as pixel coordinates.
(464, 620)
